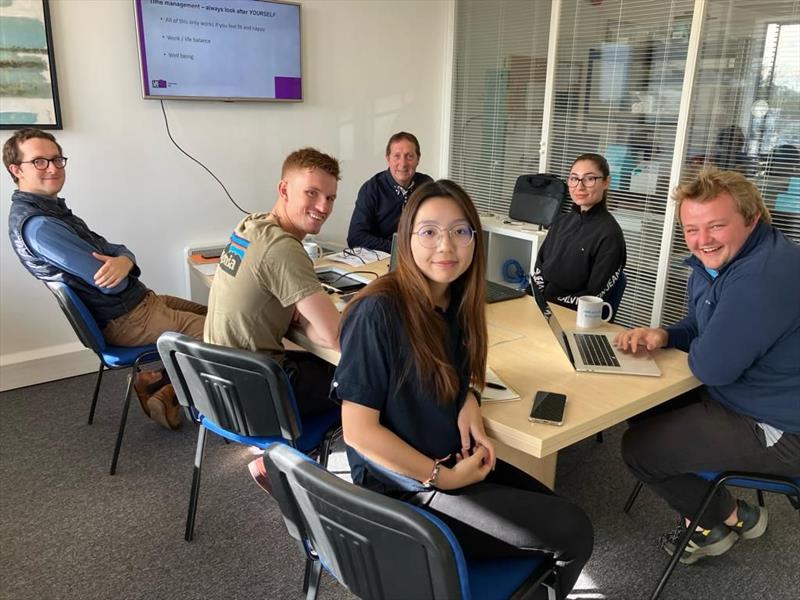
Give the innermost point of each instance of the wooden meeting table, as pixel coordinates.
(525, 354)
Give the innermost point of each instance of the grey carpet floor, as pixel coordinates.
(71, 531)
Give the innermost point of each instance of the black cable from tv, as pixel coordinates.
(222, 185)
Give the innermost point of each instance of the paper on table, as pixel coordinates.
(207, 268)
(358, 256)
(490, 394)
(501, 335)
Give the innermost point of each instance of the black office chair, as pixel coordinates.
(111, 357)
(789, 486)
(242, 396)
(616, 293)
(379, 547)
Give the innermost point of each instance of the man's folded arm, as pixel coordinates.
(54, 242)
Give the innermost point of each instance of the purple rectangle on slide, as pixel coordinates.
(288, 88)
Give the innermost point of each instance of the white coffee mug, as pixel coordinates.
(590, 312)
(313, 249)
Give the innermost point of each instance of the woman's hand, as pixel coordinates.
(470, 427)
(467, 471)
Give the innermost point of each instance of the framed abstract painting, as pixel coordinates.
(28, 85)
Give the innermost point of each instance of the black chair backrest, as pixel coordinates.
(376, 546)
(616, 293)
(78, 315)
(537, 199)
(244, 392)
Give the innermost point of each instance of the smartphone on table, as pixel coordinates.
(548, 408)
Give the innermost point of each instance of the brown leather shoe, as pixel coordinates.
(143, 382)
(163, 407)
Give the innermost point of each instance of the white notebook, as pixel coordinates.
(491, 393)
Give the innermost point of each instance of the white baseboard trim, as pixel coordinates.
(21, 369)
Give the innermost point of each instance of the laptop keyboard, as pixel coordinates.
(497, 292)
(596, 350)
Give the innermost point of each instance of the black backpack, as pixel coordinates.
(537, 198)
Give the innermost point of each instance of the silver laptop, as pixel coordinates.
(594, 352)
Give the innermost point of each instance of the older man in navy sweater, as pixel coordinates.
(382, 197)
(742, 334)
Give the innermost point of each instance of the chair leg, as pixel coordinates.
(632, 498)
(684, 541)
(313, 580)
(599, 437)
(122, 420)
(195, 493)
(327, 443)
(760, 495)
(554, 587)
(96, 392)
(307, 574)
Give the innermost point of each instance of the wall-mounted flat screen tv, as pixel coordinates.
(219, 49)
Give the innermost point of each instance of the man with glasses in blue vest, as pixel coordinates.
(55, 245)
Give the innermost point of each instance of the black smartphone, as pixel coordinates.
(548, 407)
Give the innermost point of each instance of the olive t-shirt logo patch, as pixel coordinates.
(233, 255)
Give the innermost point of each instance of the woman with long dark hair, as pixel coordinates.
(412, 342)
(584, 251)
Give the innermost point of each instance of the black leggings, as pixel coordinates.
(510, 514)
(311, 378)
(664, 450)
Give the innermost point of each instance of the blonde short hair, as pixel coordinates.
(712, 182)
(311, 158)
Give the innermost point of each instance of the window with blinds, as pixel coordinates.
(618, 83)
(619, 77)
(745, 114)
(498, 96)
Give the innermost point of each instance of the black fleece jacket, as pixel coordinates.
(583, 254)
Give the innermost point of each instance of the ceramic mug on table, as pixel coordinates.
(313, 249)
(590, 312)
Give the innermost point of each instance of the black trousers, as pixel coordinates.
(664, 450)
(311, 378)
(510, 514)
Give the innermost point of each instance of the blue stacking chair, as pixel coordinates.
(789, 486)
(242, 396)
(111, 357)
(380, 547)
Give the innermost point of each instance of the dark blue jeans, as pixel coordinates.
(664, 450)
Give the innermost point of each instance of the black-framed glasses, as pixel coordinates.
(360, 253)
(588, 181)
(41, 164)
(430, 235)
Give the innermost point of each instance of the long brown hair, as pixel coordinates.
(411, 293)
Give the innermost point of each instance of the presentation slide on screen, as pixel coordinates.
(220, 48)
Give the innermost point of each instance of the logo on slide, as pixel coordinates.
(159, 83)
(233, 255)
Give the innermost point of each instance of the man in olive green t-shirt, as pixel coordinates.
(266, 282)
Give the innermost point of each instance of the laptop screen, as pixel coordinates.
(393, 257)
(555, 326)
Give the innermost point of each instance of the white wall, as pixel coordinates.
(370, 68)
